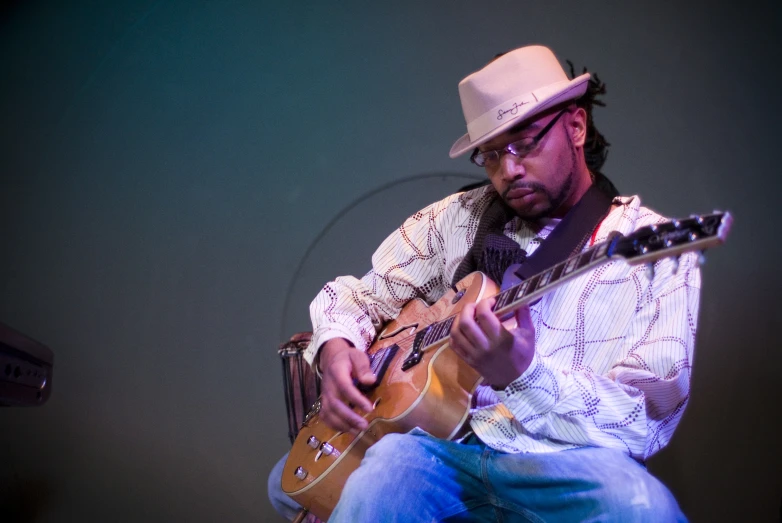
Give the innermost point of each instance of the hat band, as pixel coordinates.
(499, 115)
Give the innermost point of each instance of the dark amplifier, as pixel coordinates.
(25, 369)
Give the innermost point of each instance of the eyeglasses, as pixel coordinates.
(518, 148)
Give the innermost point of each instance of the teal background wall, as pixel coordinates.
(164, 166)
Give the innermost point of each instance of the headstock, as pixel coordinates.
(696, 233)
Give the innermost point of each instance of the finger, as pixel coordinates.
(361, 368)
(467, 319)
(339, 416)
(485, 318)
(341, 385)
(473, 337)
(352, 395)
(346, 385)
(459, 344)
(524, 318)
(465, 348)
(334, 420)
(329, 409)
(335, 408)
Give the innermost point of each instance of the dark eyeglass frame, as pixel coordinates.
(518, 148)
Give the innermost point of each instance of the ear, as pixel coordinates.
(577, 126)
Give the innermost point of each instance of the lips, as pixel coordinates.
(519, 192)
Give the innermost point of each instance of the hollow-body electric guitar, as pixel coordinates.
(422, 383)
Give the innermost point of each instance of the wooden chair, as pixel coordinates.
(302, 389)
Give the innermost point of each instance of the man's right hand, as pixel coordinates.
(341, 363)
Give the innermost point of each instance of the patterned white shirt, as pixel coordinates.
(613, 349)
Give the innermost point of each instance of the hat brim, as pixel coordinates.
(571, 90)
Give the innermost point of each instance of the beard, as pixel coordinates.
(553, 196)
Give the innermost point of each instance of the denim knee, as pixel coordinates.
(284, 505)
(395, 482)
(639, 496)
(388, 459)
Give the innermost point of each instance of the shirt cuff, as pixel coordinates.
(324, 334)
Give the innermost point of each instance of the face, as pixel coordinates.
(548, 180)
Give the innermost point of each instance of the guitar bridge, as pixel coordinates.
(412, 360)
(417, 353)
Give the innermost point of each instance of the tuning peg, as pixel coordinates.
(701, 259)
(675, 264)
(650, 271)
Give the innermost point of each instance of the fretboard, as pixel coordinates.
(645, 245)
(525, 292)
(533, 288)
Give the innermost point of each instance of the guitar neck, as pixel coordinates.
(535, 287)
(645, 245)
(525, 292)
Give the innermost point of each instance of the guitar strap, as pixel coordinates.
(568, 238)
(503, 260)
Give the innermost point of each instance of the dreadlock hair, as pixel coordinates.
(596, 146)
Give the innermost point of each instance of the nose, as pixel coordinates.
(511, 166)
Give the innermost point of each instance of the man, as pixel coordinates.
(592, 380)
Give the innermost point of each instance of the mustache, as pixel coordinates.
(535, 186)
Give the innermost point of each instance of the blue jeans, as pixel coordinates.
(284, 505)
(415, 477)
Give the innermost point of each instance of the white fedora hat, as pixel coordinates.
(517, 85)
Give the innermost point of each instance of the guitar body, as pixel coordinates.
(434, 394)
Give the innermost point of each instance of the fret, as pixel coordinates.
(557, 272)
(521, 290)
(570, 265)
(503, 299)
(509, 296)
(584, 259)
(551, 276)
(533, 284)
(499, 302)
(545, 278)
